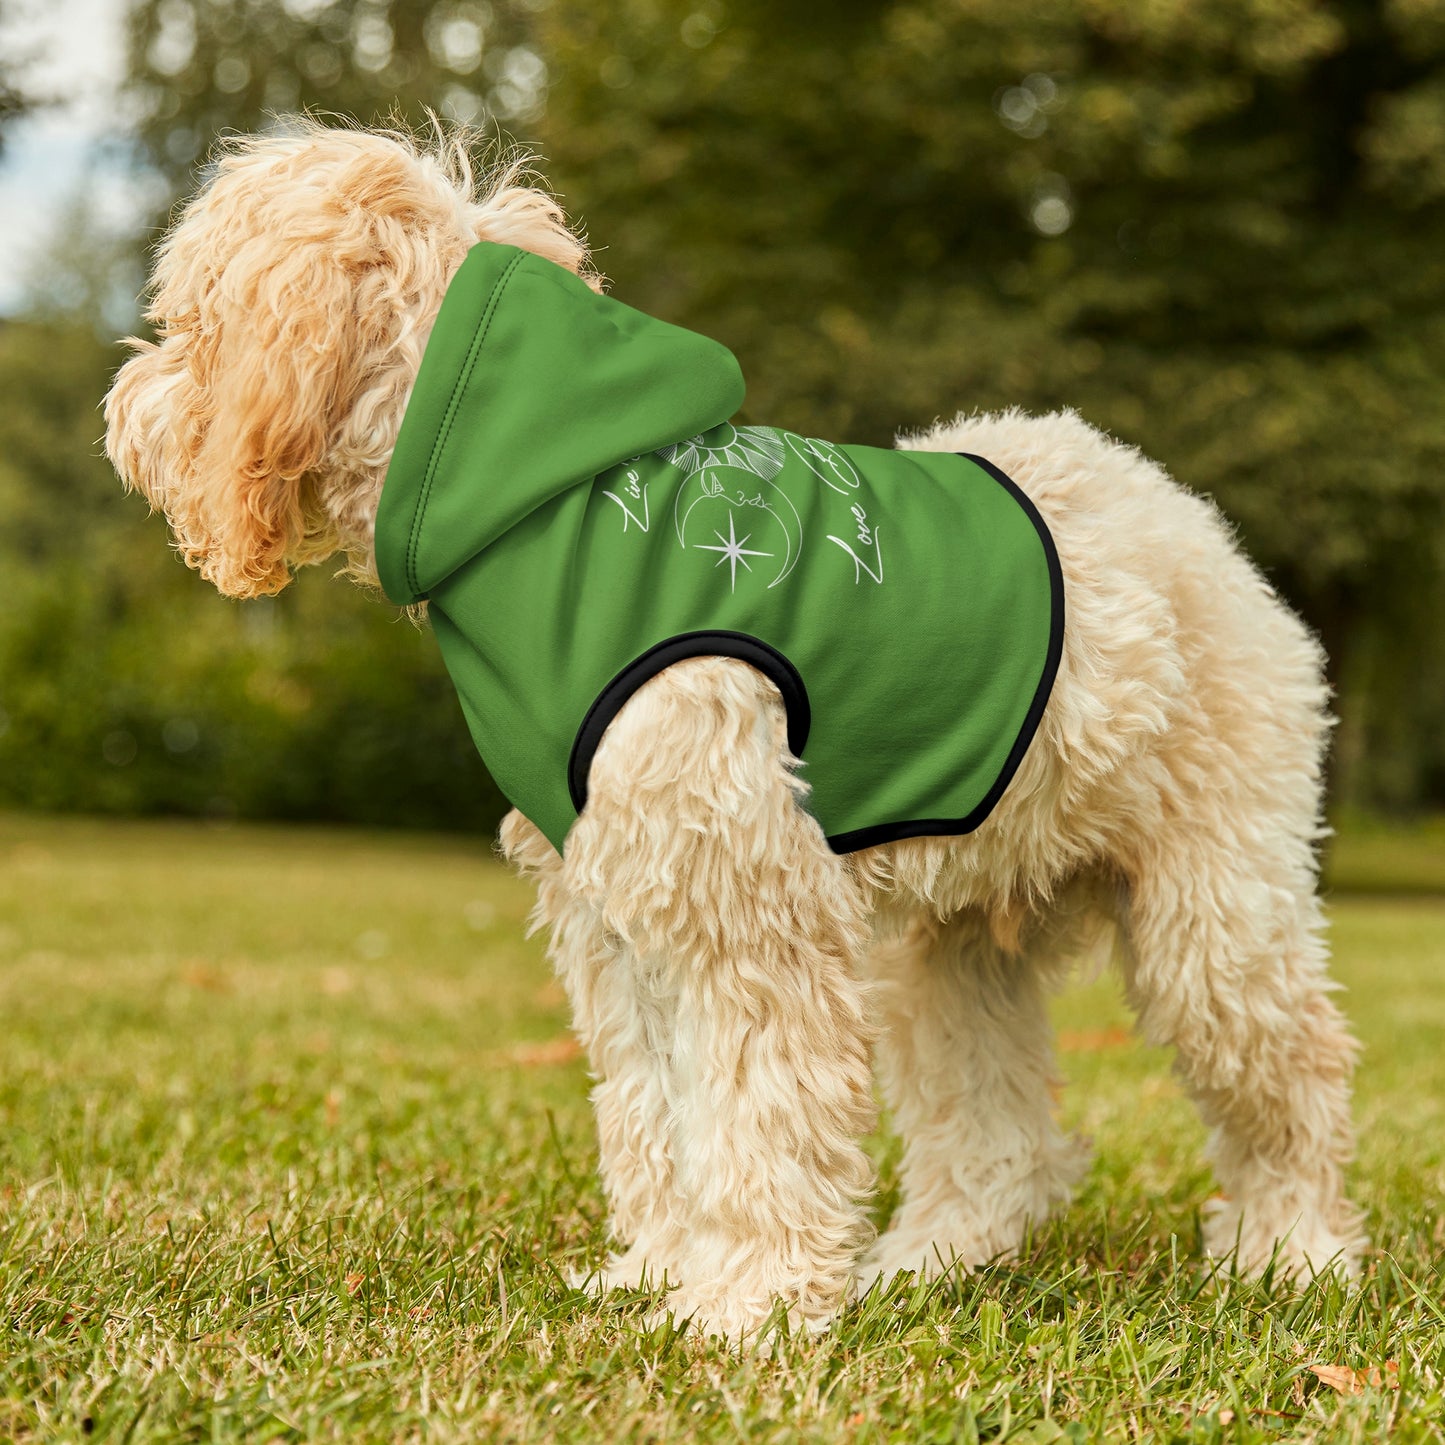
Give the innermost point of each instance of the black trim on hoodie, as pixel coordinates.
(745, 648)
(947, 827)
(789, 682)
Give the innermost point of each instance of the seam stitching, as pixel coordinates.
(484, 325)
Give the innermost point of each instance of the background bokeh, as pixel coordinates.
(1214, 227)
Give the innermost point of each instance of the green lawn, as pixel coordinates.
(1371, 856)
(292, 1146)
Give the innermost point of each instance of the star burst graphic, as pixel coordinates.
(734, 549)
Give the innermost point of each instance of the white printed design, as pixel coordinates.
(715, 462)
(826, 462)
(867, 539)
(733, 550)
(635, 489)
(706, 488)
(755, 449)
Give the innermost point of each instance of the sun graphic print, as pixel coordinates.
(754, 449)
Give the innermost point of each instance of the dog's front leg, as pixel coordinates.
(697, 857)
(624, 1024)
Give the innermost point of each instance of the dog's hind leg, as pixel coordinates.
(694, 851)
(966, 1061)
(623, 1023)
(1228, 965)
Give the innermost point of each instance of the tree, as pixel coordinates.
(1216, 227)
(202, 67)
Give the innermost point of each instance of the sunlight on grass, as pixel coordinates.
(292, 1144)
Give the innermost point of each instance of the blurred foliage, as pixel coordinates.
(128, 686)
(14, 101)
(200, 67)
(1215, 227)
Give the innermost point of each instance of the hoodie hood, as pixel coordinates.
(531, 384)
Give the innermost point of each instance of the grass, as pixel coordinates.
(292, 1146)
(1369, 855)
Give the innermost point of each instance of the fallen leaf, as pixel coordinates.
(354, 1282)
(197, 973)
(561, 1050)
(1347, 1381)
(1090, 1041)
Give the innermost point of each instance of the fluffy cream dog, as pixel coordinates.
(730, 976)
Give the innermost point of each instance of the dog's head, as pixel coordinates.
(292, 301)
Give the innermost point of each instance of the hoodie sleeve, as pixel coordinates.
(531, 384)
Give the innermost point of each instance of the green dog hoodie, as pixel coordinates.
(572, 498)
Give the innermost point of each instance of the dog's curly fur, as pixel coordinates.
(729, 975)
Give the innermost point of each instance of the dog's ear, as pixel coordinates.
(292, 302)
(147, 411)
(287, 302)
(278, 364)
(222, 423)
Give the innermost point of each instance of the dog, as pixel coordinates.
(733, 978)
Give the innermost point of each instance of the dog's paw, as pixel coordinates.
(892, 1258)
(1298, 1245)
(959, 1246)
(965, 1228)
(633, 1270)
(741, 1323)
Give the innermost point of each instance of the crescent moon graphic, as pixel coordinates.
(707, 486)
(795, 549)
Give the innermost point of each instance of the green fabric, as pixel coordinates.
(569, 493)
